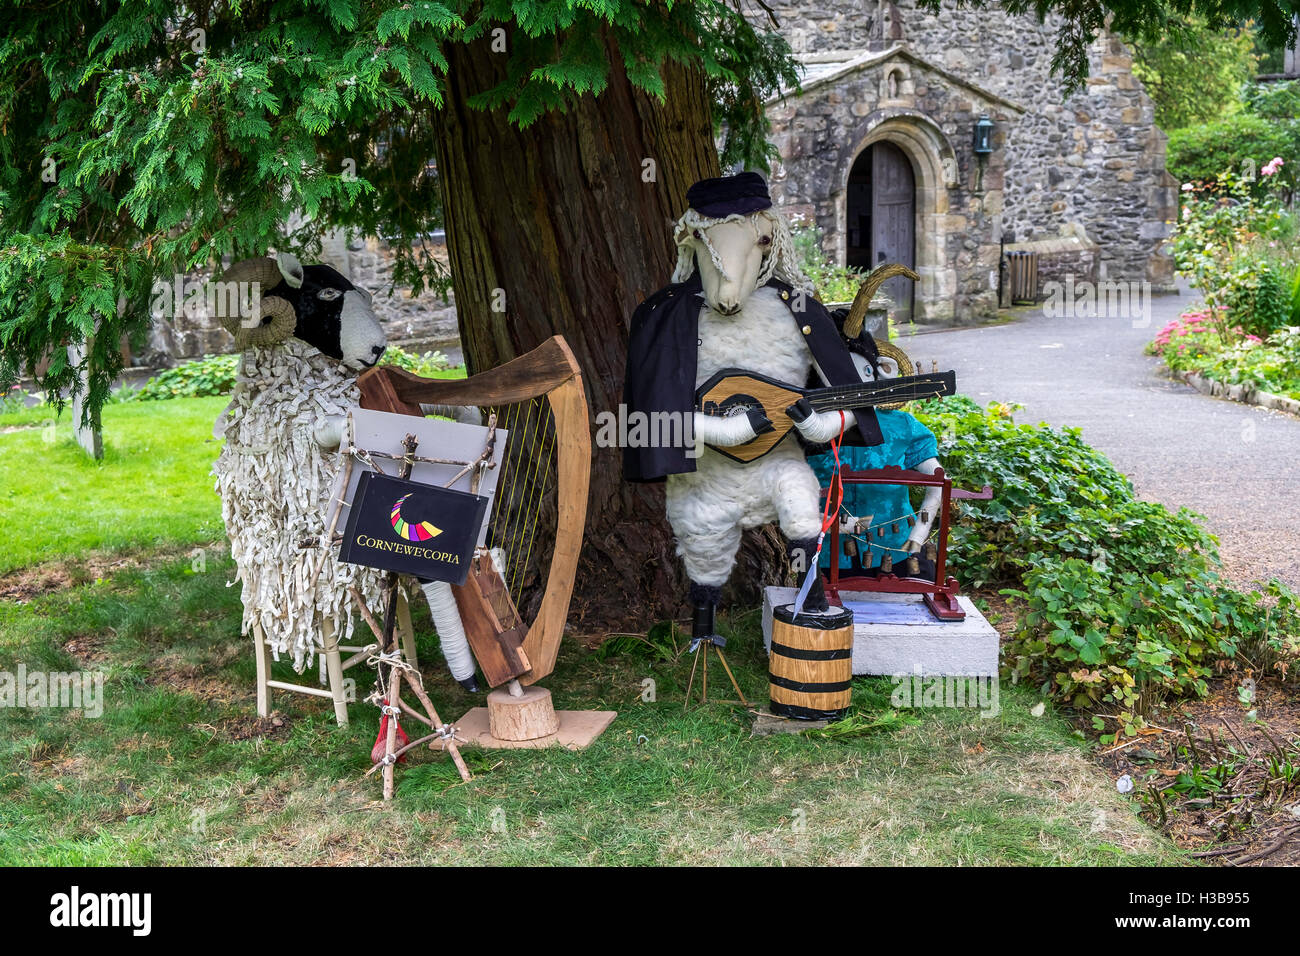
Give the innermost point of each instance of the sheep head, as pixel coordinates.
(313, 303)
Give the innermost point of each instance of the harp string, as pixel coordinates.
(524, 526)
(519, 492)
(542, 474)
(505, 485)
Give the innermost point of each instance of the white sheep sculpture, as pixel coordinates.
(741, 301)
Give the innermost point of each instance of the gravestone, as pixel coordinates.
(89, 436)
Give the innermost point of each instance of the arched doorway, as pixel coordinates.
(881, 217)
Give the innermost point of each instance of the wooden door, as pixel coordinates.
(893, 220)
(857, 224)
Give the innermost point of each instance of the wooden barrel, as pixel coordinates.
(811, 664)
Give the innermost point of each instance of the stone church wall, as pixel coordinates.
(959, 196)
(1094, 160)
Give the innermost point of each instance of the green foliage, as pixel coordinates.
(831, 283)
(1195, 76)
(216, 374)
(1263, 299)
(210, 375)
(752, 66)
(13, 400)
(1238, 145)
(1048, 484)
(140, 140)
(1082, 21)
(1236, 245)
(1274, 100)
(426, 365)
(1189, 344)
(1123, 603)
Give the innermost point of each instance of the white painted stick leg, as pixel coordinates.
(334, 666)
(262, 653)
(406, 630)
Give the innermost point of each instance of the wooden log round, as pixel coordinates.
(811, 667)
(527, 717)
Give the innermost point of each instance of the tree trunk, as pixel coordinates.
(567, 224)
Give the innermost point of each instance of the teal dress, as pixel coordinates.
(907, 443)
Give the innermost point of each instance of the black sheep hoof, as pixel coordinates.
(470, 684)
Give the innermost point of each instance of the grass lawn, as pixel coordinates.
(151, 489)
(178, 768)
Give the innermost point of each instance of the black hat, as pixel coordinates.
(729, 196)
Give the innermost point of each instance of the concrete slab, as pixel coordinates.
(894, 634)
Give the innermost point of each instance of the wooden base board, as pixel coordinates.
(578, 728)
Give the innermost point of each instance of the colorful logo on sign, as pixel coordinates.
(420, 531)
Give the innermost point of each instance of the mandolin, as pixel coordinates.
(733, 388)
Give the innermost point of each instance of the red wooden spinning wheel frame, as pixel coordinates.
(940, 594)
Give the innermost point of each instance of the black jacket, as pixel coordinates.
(661, 361)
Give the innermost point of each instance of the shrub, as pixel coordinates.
(424, 365)
(1273, 101)
(13, 400)
(215, 375)
(1236, 145)
(1194, 74)
(1122, 601)
(1260, 295)
(831, 283)
(1189, 344)
(210, 375)
(1043, 480)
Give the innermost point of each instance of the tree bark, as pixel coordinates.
(567, 224)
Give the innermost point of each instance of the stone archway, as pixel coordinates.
(934, 171)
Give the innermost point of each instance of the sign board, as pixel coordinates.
(437, 438)
(412, 528)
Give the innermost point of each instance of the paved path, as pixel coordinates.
(1236, 464)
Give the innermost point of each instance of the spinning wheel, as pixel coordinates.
(899, 570)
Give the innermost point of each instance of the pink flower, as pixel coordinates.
(1188, 187)
(1272, 166)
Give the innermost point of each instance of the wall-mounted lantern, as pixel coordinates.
(983, 136)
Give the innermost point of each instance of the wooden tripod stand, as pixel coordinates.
(701, 652)
(390, 667)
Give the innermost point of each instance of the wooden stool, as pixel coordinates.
(332, 661)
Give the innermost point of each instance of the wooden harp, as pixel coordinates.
(538, 398)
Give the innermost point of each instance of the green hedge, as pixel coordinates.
(1204, 153)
